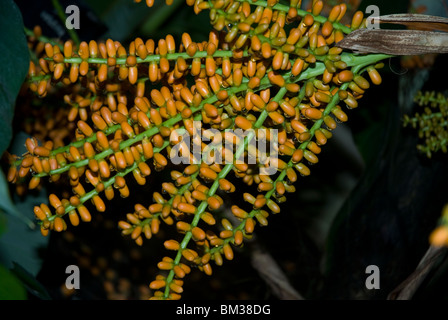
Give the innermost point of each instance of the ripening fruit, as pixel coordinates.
(345, 76)
(357, 19)
(208, 173)
(374, 75)
(84, 213)
(439, 237)
(243, 123)
(59, 224)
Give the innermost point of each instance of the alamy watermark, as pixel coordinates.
(72, 21)
(73, 280)
(373, 280)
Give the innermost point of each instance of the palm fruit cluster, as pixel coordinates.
(431, 122)
(265, 65)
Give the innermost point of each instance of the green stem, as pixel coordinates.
(155, 57)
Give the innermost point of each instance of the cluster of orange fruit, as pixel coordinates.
(265, 66)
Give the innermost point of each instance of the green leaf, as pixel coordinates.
(30, 282)
(11, 288)
(14, 63)
(20, 244)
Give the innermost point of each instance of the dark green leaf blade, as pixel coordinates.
(14, 63)
(11, 288)
(30, 282)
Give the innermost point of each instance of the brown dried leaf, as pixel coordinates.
(417, 21)
(395, 42)
(420, 39)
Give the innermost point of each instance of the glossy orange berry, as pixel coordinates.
(84, 213)
(302, 169)
(186, 207)
(74, 72)
(85, 128)
(41, 151)
(214, 203)
(243, 123)
(357, 19)
(102, 72)
(228, 252)
(208, 173)
(59, 224)
(74, 218)
(439, 236)
(276, 79)
(157, 284)
(334, 13)
(147, 148)
(208, 218)
(39, 213)
(171, 245)
(374, 75)
(249, 225)
(133, 75)
(313, 113)
(207, 268)
(198, 234)
(345, 76)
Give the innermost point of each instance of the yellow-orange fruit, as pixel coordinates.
(198, 234)
(186, 207)
(374, 75)
(102, 72)
(228, 252)
(171, 245)
(439, 237)
(84, 214)
(208, 173)
(208, 218)
(249, 225)
(160, 160)
(302, 169)
(155, 117)
(59, 224)
(74, 218)
(313, 113)
(157, 284)
(126, 128)
(104, 169)
(243, 123)
(357, 20)
(148, 151)
(41, 151)
(345, 76)
(39, 213)
(276, 79)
